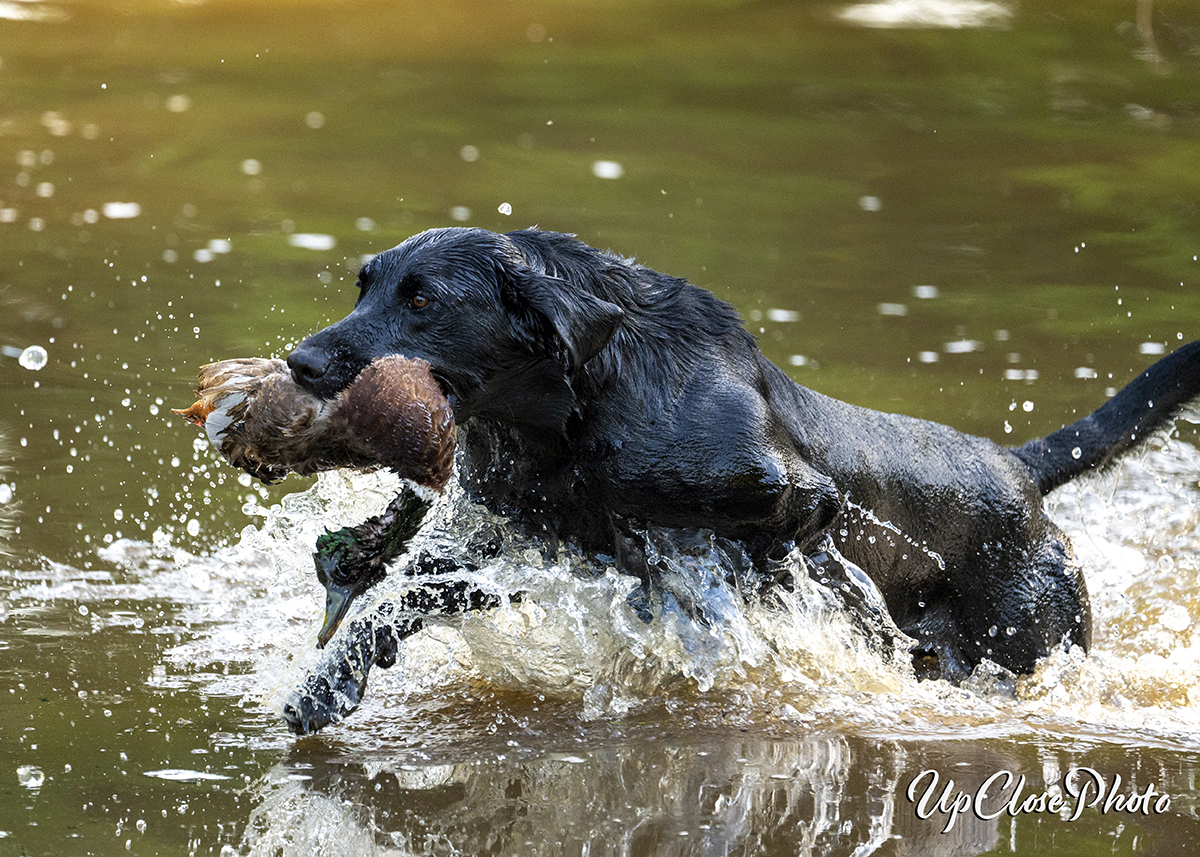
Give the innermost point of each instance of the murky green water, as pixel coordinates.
(987, 224)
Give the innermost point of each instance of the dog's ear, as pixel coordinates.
(584, 322)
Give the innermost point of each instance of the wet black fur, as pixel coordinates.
(599, 396)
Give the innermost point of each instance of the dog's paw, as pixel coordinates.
(324, 699)
(333, 691)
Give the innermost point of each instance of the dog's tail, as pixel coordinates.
(1145, 405)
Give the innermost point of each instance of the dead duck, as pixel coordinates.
(393, 415)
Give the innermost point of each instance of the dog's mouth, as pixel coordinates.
(451, 393)
(326, 372)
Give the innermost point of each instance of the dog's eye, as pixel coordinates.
(418, 301)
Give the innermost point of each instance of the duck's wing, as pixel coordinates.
(258, 418)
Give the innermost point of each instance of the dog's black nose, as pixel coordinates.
(308, 365)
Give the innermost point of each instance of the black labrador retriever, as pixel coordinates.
(599, 397)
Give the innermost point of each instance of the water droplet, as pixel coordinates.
(962, 346)
(505, 209)
(33, 358)
(607, 170)
(121, 210)
(312, 241)
(783, 315)
(1076, 453)
(30, 776)
(1176, 618)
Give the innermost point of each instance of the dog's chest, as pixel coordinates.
(537, 485)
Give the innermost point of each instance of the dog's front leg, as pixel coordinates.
(335, 689)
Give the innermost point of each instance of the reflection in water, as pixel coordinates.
(1145, 28)
(820, 794)
(8, 509)
(931, 14)
(30, 10)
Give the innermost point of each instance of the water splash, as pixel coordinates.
(797, 656)
(30, 777)
(574, 636)
(639, 799)
(573, 632)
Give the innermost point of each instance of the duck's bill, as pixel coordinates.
(337, 604)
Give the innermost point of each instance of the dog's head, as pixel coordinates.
(501, 320)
